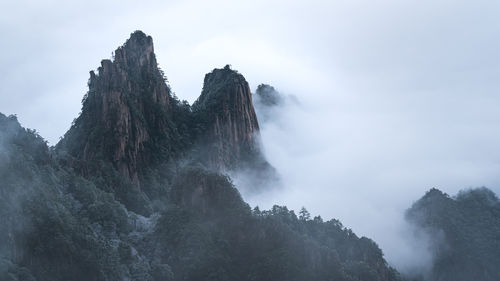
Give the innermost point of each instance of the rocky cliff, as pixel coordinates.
(121, 198)
(231, 129)
(126, 114)
(131, 123)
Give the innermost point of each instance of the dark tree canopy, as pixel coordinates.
(466, 230)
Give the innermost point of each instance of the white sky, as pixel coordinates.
(397, 96)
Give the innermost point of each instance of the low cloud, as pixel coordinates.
(366, 168)
(396, 97)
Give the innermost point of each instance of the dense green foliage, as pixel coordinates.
(134, 191)
(466, 231)
(59, 225)
(235, 243)
(215, 85)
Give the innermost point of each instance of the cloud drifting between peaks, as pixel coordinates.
(396, 96)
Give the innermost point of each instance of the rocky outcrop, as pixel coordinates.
(206, 192)
(125, 115)
(231, 130)
(131, 121)
(268, 96)
(267, 101)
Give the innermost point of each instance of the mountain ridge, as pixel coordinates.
(131, 121)
(464, 231)
(62, 226)
(138, 189)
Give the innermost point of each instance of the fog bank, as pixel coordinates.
(396, 97)
(366, 163)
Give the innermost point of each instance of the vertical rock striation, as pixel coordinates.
(231, 129)
(131, 123)
(125, 115)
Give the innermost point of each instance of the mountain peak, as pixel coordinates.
(232, 129)
(137, 50)
(131, 123)
(435, 193)
(125, 115)
(138, 35)
(268, 95)
(218, 82)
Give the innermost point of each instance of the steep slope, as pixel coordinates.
(466, 232)
(131, 128)
(74, 212)
(131, 124)
(211, 234)
(126, 115)
(55, 225)
(59, 226)
(231, 129)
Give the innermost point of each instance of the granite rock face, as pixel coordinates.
(131, 121)
(126, 112)
(231, 127)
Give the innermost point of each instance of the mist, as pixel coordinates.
(366, 165)
(394, 97)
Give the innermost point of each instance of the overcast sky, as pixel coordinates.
(396, 96)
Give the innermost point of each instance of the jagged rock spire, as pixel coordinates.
(130, 121)
(232, 128)
(137, 51)
(125, 114)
